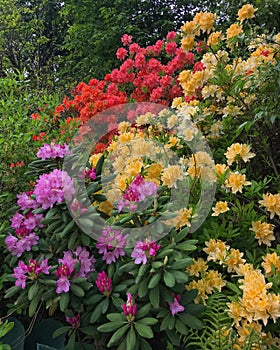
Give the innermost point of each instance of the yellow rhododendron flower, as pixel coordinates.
(214, 38)
(205, 21)
(94, 159)
(198, 267)
(272, 203)
(201, 165)
(238, 151)
(171, 174)
(220, 207)
(187, 43)
(236, 181)
(123, 127)
(268, 261)
(215, 280)
(189, 28)
(134, 168)
(220, 169)
(263, 232)
(234, 259)
(247, 11)
(216, 250)
(234, 30)
(154, 170)
(106, 207)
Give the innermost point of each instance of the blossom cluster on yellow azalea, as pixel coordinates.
(256, 304)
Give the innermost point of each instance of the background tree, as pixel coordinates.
(31, 36)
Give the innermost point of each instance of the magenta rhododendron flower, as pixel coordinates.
(175, 307)
(74, 320)
(111, 244)
(54, 188)
(68, 262)
(104, 283)
(144, 250)
(52, 151)
(137, 191)
(31, 271)
(129, 308)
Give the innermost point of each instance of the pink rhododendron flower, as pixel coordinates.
(74, 320)
(126, 39)
(54, 188)
(175, 307)
(26, 202)
(52, 151)
(111, 244)
(144, 250)
(121, 53)
(104, 283)
(24, 241)
(171, 35)
(137, 191)
(31, 271)
(68, 262)
(129, 308)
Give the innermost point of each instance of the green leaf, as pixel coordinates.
(110, 327)
(12, 291)
(144, 330)
(105, 305)
(33, 305)
(154, 281)
(33, 291)
(234, 288)
(150, 321)
(61, 330)
(193, 322)
(180, 276)
(116, 337)
(181, 264)
(114, 317)
(143, 288)
(78, 291)
(64, 301)
(68, 228)
(143, 311)
(165, 322)
(154, 297)
(94, 299)
(169, 279)
(181, 328)
(131, 339)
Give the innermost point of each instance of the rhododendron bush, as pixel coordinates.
(155, 225)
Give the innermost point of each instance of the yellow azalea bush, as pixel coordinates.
(239, 254)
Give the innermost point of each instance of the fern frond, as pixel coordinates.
(217, 333)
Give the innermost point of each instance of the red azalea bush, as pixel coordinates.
(147, 74)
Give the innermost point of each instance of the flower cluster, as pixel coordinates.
(53, 188)
(24, 272)
(52, 150)
(111, 244)
(272, 203)
(144, 250)
(104, 283)
(137, 191)
(65, 270)
(129, 308)
(24, 237)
